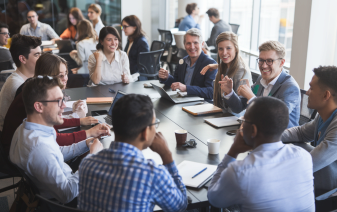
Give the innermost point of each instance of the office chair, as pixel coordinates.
(77, 80)
(53, 206)
(157, 45)
(254, 76)
(149, 63)
(6, 65)
(167, 38)
(306, 114)
(235, 28)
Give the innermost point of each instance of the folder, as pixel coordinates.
(202, 109)
(223, 121)
(99, 100)
(187, 169)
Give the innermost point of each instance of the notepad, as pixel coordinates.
(99, 100)
(187, 169)
(223, 121)
(202, 109)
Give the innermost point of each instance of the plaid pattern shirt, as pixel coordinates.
(121, 179)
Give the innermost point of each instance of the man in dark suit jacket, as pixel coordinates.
(187, 77)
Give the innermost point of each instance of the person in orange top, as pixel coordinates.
(74, 17)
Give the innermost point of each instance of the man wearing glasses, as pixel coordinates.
(274, 176)
(34, 148)
(38, 29)
(274, 81)
(122, 175)
(5, 56)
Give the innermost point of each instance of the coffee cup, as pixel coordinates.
(213, 146)
(181, 136)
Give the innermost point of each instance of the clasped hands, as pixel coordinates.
(163, 74)
(95, 133)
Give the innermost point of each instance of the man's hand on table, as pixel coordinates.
(88, 120)
(178, 85)
(98, 131)
(160, 146)
(94, 146)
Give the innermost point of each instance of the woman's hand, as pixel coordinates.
(226, 84)
(98, 56)
(210, 67)
(125, 78)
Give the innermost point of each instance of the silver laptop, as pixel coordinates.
(176, 98)
(108, 118)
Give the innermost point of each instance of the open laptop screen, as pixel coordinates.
(118, 96)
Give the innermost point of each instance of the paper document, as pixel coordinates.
(187, 169)
(223, 121)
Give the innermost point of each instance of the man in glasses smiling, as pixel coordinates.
(273, 81)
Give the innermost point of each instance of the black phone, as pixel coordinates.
(231, 132)
(98, 112)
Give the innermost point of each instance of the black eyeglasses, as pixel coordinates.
(59, 101)
(5, 33)
(156, 123)
(269, 62)
(241, 120)
(124, 27)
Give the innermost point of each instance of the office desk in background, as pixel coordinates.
(172, 117)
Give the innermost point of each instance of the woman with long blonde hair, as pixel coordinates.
(230, 64)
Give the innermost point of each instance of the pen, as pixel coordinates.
(199, 172)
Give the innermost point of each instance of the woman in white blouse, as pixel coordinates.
(85, 45)
(109, 64)
(94, 15)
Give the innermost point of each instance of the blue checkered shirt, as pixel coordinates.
(121, 179)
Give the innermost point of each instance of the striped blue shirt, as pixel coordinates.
(121, 179)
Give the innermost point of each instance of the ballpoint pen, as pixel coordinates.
(199, 172)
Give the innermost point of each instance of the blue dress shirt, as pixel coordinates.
(121, 179)
(189, 71)
(34, 150)
(44, 31)
(188, 23)
(273, 177)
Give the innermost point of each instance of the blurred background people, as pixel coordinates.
(94, 15)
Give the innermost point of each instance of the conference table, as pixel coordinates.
(172, 118)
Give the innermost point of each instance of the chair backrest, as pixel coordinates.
(157, 45)
(254, 76)
(53, 206)
(306, 113)
(166, 36)
(235, 28)
(6, 65)
(77, 80)
(149, 63)
(179, 38)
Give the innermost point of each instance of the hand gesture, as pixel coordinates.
(98, 131)
(125, 78)
(239, 146)
(160, 146)
(178, 85)
(98, 56)
(88, 120)
(245, 91)
(210, 67)
(163, 74)
(226, 84)
(95, 146)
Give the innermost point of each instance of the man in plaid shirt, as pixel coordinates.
(120, 178)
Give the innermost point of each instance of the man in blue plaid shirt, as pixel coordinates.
(120, 178)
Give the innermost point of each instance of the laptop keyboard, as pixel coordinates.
(108, 120)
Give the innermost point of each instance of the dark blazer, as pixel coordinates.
(139, 45)
(201, 85)
(285, 89)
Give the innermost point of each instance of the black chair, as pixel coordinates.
(157, 45)
(167, 38)
(53, 206)
(306, 114)
(6, 65)
(77, 80)
(254, 76)
(149, 63)
(235, 28)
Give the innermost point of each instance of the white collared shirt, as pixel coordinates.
(269, 86)
(111, 73)
(99, 26)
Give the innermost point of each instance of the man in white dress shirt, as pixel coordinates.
(274, 176)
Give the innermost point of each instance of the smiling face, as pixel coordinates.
(193, 46)
(63, 75)
(226, 51)
(4, 36)
(269, 72)
(52, 112)
(110, 43)
(72, 20)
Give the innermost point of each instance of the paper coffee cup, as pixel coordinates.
(213, 146)
(181, 136)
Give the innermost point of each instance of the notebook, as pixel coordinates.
(223, 121)
(202, 109)
(99, 100)
(187, 169)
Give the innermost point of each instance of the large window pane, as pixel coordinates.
(276, 22)
(241, 13)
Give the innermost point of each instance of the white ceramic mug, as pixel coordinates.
(213, 146)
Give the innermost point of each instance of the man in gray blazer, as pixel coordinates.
(322, 132)
(274, 81)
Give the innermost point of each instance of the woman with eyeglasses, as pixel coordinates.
(136, 43)
(53, 66)
(230, 66)
(74, 17)
(94, 15)
(109, 64)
